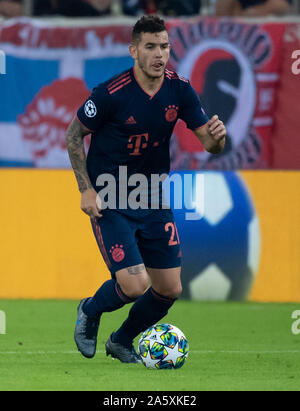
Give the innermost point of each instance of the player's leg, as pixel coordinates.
(124, 288)
(166, 282)
(161, 253)
(152, 306)
(134, 281)
(117, 244)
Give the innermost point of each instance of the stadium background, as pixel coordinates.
(242, 70)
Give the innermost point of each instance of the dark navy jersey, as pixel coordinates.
(131, 128)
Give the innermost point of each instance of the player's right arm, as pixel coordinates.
(75, 146)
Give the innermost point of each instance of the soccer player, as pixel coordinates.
(131, 118)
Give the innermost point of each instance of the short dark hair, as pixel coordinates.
(147, 24)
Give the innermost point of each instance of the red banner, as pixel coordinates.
(243, 71)
(285, 137)
(234, 67)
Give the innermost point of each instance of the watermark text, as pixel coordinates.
(180, 191)
(2, 62)
(2, 322)
(296, 323)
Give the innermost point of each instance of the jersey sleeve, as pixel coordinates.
(95, 110)
(191, 111)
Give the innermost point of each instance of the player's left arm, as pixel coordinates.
(212, 135)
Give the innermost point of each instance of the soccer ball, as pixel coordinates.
(163, 346)
(221, 250)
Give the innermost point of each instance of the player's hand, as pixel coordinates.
(91, 203)
(216, 128)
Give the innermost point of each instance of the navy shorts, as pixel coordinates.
(147, 237)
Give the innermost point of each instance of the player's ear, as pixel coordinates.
(133, 50)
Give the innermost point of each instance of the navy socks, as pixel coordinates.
(108, 298)
(145, 312)
(148, 309)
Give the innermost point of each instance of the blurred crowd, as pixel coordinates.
(175, 8)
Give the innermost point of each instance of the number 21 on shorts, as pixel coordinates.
(174, 237)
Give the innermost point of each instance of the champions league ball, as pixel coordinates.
(163, 346)
(220, 249)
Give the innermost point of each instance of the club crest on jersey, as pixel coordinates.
(90, 109)
(171, 113)
(117, 253)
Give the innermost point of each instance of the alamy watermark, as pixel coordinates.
(296, 323)
(2, 62)
(181, 191)
(2, 322)
(296, 64)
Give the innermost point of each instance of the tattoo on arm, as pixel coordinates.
(136, 269)
(75, 147)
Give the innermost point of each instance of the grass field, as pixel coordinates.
(233, 346)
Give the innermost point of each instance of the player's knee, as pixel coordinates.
(173, 291)
(176, 291)
(135, 290)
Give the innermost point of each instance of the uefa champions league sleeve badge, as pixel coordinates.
(90, 109)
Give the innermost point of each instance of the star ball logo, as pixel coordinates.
(2, 62)
(90, 109)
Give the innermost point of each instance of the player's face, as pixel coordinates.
(152, 53)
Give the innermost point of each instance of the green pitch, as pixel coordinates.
(232, 347)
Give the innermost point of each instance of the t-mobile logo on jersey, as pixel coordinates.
(2, 62)
(138, 142)
(158, 191)
(2, 322)
(296, 64)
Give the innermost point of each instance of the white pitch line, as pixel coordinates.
(200, 352)
(246, 352)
